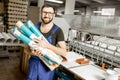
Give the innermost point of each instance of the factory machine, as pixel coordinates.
(99, 45)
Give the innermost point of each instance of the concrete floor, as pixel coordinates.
(10, 68)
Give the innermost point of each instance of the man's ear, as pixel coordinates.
(54, 15)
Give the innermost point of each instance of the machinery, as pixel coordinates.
(97, 39)
(99, 49)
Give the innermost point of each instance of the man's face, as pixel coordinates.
(47, 15)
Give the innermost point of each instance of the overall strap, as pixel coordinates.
(55, 29)
(49, 38)
(38, 25)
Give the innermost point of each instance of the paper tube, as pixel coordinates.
(46, 52)
(2, 39)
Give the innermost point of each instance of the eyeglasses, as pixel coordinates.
(49, 13)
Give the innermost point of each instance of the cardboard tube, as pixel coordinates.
(25, 30)
(7, 37)
(14, 40)
(56, 59)
(33, 29)
(2, 39)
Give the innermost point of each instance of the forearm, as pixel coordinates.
(58, 50)
(61, 50)
(30, 52)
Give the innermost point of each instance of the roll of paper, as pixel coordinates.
(23, 33)
(32, 27)
(22, 37)
(27, 32)
(32, 33)
(46, 52)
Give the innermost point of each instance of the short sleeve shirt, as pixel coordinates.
(56, 37)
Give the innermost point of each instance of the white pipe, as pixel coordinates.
(7, 37)
(2, 39)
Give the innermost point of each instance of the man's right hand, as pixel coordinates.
(36, 52)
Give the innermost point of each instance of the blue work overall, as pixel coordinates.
(37, 70)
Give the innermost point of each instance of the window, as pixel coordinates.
(108, 11)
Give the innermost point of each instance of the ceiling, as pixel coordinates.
(83, 3)
(98, 2)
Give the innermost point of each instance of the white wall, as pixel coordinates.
(61, 22)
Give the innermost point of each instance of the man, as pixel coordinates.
(37, 70)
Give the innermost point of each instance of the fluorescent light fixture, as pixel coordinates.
(97, 11)
(108, 11)
(76, 10)
(55, 1)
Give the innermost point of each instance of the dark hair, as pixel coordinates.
(48, 5)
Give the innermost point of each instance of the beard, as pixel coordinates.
(46, 22)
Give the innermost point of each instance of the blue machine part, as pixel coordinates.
(61, 75)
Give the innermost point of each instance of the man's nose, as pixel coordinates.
(47, 14)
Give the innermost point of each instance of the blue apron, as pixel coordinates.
(37, 70)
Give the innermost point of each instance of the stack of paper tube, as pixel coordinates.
(27, 33)
(7, 38)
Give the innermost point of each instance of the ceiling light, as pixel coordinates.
(97, 11)
(55, 1)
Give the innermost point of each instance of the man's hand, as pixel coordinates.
(36, 52)
(41, 42)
